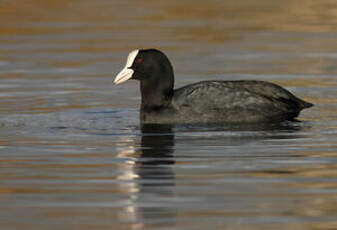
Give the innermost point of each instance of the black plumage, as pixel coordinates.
(206, 101)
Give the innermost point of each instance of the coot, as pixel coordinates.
(206, 102)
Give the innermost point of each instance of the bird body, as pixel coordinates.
(205, 102)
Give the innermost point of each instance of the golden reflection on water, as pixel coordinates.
(207, 22)
(68, 40)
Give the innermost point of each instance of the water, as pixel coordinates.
(72, 154)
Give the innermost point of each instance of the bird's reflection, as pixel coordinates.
(150, 177)
(148, 165)
(157, 147)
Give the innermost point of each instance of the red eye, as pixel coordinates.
(139, 60)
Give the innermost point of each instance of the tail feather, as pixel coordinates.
(304, 104)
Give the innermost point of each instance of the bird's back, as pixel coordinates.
(235, 102)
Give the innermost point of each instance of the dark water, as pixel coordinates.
(72, 154)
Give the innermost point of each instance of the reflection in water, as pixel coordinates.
(149, 177)
(235, 135)
(157, 144)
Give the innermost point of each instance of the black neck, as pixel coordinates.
(155, 98)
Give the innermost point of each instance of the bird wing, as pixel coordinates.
(232, 98)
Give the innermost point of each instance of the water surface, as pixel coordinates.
(72, 153)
